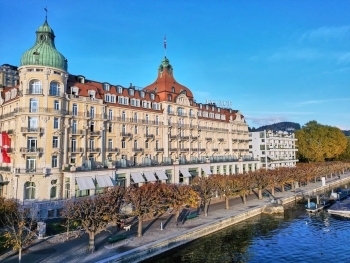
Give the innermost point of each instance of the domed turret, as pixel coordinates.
(44, 52)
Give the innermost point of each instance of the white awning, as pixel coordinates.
(161, 175)
(137, 177)
(85, 183)
(185, 173)
(150, 176)
(104, 181)
(271, 157)
(206, 170)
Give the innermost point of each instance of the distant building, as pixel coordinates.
(8, 75)
(273, 149)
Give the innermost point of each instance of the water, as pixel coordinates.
(295, 236)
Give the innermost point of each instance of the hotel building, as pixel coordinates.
(72, 136)
(273, 149)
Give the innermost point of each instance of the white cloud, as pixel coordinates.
(310, 102)
(327, 33)
(260, 121)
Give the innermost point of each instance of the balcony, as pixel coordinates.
(126, 135)
(226, 150)
(171, 112)
(33, 170)
(202, 149)
(81, 98)
(174, 137)
(31, 150)
(194, 138)
(173, 149)
(194, 149)
(159, 149)
(215, 149)
(184, 138)
(94, 133)
(184, 149)
(221, 139)
(192, 115)
(34, 91)
(56, 93)
(235, 140)
(208, 138)
(77, 132)
(32, 130)
(112, 150)
(76, 150)
(94, 150)
(6, 168)
(150, 136)
(137, 150)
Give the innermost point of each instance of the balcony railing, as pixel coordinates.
(202, 149)
(221, 139)
(184, 137)
(137, 150)
(31, 150)
(95, 133)
(76, 149)
(173, 149)
(126, 134)
(116, 150)
(94, 149)
(194, 137)
(34, 91)
(226, 150)
(56, 93)
(215, 149)
(150, 136)
(6, 169)
(208, 138)
(159, 149)
(32, 130)
(77, 132)
(174, 136)
(35, 170)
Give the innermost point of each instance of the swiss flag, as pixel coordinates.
(5, 143)
(164, 42)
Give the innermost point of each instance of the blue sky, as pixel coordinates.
(274, 60)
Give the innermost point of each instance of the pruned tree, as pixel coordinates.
(205, 188)
(94, 214)
(178, 195)
(227, 185)
(18, 225)
(146, 200)
(245, 183)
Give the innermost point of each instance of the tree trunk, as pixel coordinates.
(244, 199)
(315, 179)
(227, 205)
(91, 242)
(20, 255)
(282, 188)
(259, 193)
(139, 227)
(177, 214)
(206, 205)
(293, 185)
(273, 190)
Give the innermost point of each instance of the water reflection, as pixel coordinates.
(294, 237)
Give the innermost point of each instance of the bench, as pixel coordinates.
(264, 194)
(116, 238)
(189, 217)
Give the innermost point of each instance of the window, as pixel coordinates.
(135, 117)
(29, 190)
(119, 89)
(55, 123)
(157, 144)
(92, 143)
(34, 105)
(110, 128)
(54, 89)
(54, 142)
(35, 87)
(131, 92)
(75, 110)
(123, 116)
(135, 144)
(152, 96)
(180, 111)
(67, 187)
(142, 94)
(157, 120)
(56, 105)
(146, 118)
(110, 144)
(123, 144)
(123, 129)
(92, 94)
(31, 144)
(92, 112)
(147, 130)
(73, 159)
(135, 129)
(157, 131)
(74, 145)
(200, 106)
(92, 126)
(110, 115)
(169, 97)
(146, 144)
(53, 190)
(172, 89)
(107, 98)
(74, 126)
(54, 163)
(105, 86)
(32, 122)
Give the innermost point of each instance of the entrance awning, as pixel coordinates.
(161, 175)
(150, 176)
(185, 173)
(104, 181)
(206, 170)
(137, 177)
(85, 183)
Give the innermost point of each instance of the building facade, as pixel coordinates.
(8, 75)
(72, 137)
(273, 149)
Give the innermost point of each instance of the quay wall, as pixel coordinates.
(154, 248)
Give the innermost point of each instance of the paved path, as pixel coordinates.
(54, 250)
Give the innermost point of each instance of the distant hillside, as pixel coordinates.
(281, 126)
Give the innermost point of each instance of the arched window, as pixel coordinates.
(173, 90)
(29, 190)
(54, 89)
(34, 105)
(35, 87)
(123, 116)
(169, 97)
(124, 129)
(135, 144)
(53, 190)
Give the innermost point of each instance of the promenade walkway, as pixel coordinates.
(54, 249)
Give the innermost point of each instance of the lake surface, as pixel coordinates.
(295, 236)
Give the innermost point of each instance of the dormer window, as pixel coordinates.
(200, 106)
(206, 107)
(212, 108)
(75, 92)
(142, 94)
(81, 79)
(119, 89)
(152, 96)
(92, 94)
(131, 92)
(106, 86)
(218, 109)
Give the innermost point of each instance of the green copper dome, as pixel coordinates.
(165, 64)
(44, 52)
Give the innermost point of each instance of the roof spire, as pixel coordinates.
(46, 13)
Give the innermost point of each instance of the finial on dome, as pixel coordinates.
(46, 14)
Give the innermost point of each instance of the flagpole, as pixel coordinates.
(165, 45)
